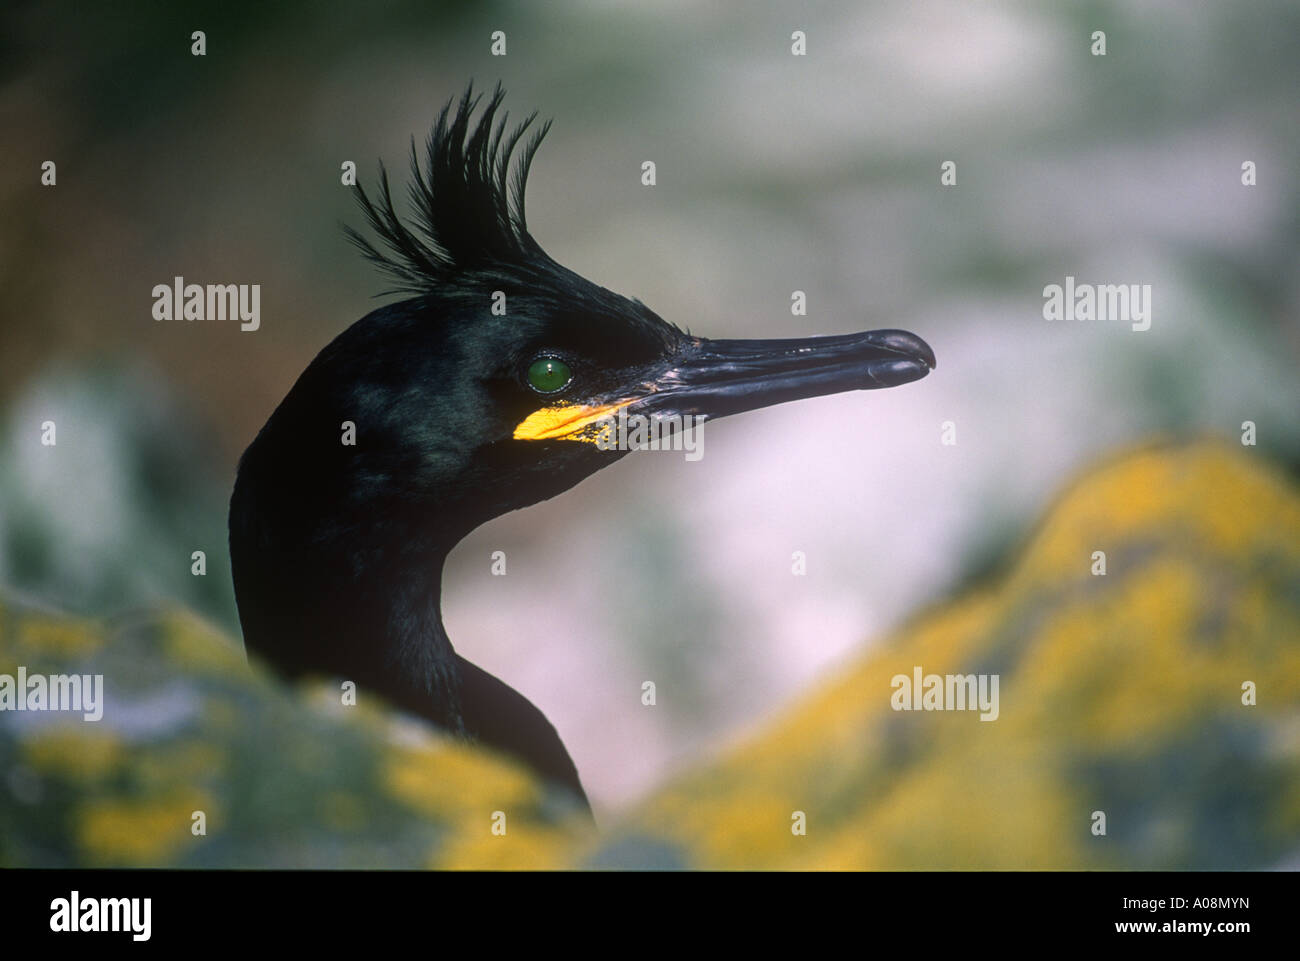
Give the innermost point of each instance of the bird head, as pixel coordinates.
(485, 390)
(490, 388)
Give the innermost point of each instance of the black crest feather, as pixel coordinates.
(467, 200)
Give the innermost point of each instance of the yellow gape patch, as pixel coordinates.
(568, 422)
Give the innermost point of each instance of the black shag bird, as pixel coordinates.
(462, 414)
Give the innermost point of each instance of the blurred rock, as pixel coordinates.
(284, 778)
(1119, 693)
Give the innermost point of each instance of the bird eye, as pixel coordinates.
(546, 375)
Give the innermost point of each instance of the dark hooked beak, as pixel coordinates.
(714, 378)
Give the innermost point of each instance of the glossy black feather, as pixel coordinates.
(337, 549)
(467, 201)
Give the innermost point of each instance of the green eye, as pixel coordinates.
(546, 375)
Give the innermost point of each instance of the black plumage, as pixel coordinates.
(337, 549)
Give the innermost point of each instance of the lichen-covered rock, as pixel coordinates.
(281, 777)
(1119, 693)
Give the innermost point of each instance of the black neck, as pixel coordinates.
(374, 617)
(412, 662)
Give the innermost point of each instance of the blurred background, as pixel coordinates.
(776, 173)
